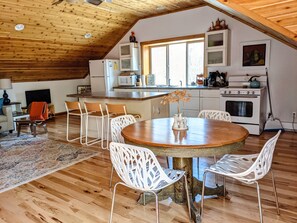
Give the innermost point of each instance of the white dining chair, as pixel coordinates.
(215, 115)
(140, 170)
(247, 169)
(117, 124)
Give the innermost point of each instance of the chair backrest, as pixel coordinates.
(138, 167)
(38, 110)
(73, 106)
(215, 115)
(93, 107)
(262, 164)
(117, 124)
(116, 109)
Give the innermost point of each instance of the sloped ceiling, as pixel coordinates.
(277, 18)
(52, 45)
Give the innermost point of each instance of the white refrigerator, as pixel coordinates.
(104, 74)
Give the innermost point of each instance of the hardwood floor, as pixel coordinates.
(81, 193)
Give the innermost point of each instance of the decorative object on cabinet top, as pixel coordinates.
(132, 38)
(219, 25)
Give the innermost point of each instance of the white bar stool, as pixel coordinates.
(113, 110)
(74, 108)
(94, 110)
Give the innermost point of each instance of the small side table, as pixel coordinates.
(19, 116)
(31, 124)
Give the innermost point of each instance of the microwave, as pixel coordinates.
(127, 80)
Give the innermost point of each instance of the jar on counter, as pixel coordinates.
(200, 79)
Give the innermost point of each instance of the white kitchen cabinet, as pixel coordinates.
(191, 108)
(159, 110)
(206, 99)
(209, 100)
(128, 57)
(216, 48)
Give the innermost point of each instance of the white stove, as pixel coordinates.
(247, 106)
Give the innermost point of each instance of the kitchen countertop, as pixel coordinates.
(198, 87)
(120, 95)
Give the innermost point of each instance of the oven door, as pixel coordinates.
(243, 109)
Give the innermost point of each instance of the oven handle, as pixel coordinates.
(239, 96)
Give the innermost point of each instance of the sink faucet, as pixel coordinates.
(169, 81)
(181, 83)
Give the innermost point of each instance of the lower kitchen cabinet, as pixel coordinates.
(209, 100)
(205, 99)
(192, 108)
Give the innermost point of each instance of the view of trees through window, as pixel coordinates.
(177, 63)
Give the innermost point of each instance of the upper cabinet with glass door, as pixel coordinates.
(216, 48)
(128, 57)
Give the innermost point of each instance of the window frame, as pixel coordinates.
(146, 62)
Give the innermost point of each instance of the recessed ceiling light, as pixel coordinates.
(161, 7)
(88, 35)
(19, 27)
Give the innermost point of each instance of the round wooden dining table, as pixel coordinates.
(204, 137)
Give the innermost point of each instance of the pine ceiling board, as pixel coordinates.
(254, 19)
(54, 34)
(286, 21)
(255, 4)
(277, 9)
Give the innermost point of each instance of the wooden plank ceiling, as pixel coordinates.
(277, 18)
(52, 45)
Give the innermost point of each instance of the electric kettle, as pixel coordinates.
(254, 83)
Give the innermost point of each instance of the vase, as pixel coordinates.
(179, 123)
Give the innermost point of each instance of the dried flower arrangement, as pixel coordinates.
(176, 97)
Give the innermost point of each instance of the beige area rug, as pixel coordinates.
(25, 158)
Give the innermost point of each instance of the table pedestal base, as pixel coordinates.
(177, 192)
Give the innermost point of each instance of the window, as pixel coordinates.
(174, 62)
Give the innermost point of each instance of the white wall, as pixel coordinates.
(283, 59)
(59, 90)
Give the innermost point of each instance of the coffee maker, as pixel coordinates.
(217, 79)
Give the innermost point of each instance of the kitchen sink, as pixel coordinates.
(167, 86)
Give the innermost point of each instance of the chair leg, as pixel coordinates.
(113, 200)
(188, 197)
(157, 206)
(44, 127)
(202, 194)
(107, 134)
(216, 176)
(87, 127)
(67, 128)
(259, 201)
(275, 193)
(102, 131)
(111, 176)
(224, 182)
(19, 129)
(34, 129)
(81, 130)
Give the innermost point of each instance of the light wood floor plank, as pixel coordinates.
(81, 193)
